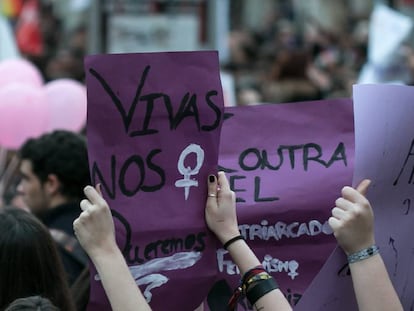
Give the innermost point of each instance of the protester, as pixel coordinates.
(29, 261)
(353, 224)
(54, 171)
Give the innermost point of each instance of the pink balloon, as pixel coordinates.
(19, 71)
(67, 104)
(23, 114)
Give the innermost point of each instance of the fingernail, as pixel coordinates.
(86, 188)
(211, 178)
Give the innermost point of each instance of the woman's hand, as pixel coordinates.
(220, 209)
(353, 220)
(94, 228)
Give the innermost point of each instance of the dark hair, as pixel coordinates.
(29, 261)
(62, 153)
(33, 303)
(80, 290)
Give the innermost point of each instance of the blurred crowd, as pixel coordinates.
(286, 61)
(288, 57)
(50, 35)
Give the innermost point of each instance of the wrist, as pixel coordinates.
(226, 236)
(233, 240)
(109, 248)
(356, 247)
(363, 254)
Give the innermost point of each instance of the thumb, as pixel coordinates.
(363, 186)
(98, 189)
(94, 196)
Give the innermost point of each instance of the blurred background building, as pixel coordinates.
(271, 51)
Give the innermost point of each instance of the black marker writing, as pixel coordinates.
(409, 155)
(292, 298)
(136, 164)
(408, 203)
(136, 254)
(344, 271)
(126, 116)
(391, 242)
(252, 159)
(188, 107)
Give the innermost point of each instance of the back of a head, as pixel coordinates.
(29, 262)
(62, 153)
(33, 303)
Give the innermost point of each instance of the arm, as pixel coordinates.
(95, 231)
(353, 224)
(221, 218)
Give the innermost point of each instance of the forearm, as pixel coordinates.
(245, 260)
(118, 283)
(373, 288)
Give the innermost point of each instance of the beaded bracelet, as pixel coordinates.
(363, 254)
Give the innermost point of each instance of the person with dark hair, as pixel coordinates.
(33, 303)
(54, 170)
(80, 290)
(29, 261)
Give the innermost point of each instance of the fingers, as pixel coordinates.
(85, 204)
(75, 224)
(339, 213)
(363, 186)
(334, 223)
(223, 182)
(354, 196)
(343, 204)
(98, 189)
(94, 196)
(212, 187)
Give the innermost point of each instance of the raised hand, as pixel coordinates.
(220, 209)
(94, 227)
(353, 220)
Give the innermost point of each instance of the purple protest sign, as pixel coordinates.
(154, 124)
(286, 164)
(384, 153)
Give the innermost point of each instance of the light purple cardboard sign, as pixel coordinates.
(154, 124)
(287, 164)
(384, 152)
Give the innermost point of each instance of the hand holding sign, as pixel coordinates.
(353, 225)
(162, 141)
(95, 227)
(353, 220)
(221, 208)
(95, 231)
(221, 218)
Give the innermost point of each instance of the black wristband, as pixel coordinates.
(261, 289)
(232, 240)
